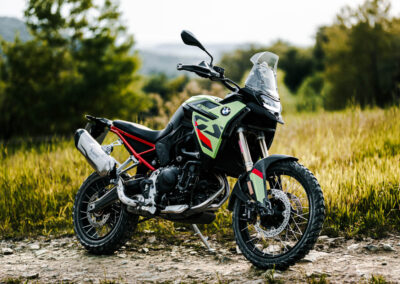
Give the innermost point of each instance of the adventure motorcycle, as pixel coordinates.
(181, 172)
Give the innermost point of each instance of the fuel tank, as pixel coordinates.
(210, 119)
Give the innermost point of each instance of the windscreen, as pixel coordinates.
(262, 77)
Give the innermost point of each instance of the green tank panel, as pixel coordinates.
(209, 131)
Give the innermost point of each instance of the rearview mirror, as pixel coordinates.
(189, 39)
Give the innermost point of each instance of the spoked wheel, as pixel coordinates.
(288, 235)
(105, 231)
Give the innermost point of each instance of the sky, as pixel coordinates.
(222, 21)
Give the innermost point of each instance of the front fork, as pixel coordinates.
(244, 149)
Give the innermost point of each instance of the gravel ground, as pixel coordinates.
(151, 258)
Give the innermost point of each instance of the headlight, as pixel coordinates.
(270, 104)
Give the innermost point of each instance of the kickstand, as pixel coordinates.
(203, 239)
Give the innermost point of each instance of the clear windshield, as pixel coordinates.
(262, 77)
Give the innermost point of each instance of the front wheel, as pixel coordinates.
(284, 238)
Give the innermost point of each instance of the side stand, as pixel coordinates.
(203, 239)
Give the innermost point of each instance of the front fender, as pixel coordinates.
(260, 166)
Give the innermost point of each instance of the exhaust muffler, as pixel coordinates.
(102, 163)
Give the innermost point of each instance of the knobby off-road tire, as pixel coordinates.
(303, 244)
(121, 224)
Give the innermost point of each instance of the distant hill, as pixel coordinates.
(153, 62)
(10, 26)
(182, 50)
(161, 58)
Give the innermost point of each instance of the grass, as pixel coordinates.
(317, 279)
(377, 279)
(354, 154)
(13, 281)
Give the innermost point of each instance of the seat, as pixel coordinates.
(141, 131)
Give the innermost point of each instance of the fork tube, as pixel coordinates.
(263, 145)
(244, 149)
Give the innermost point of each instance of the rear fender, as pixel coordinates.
(257, 177)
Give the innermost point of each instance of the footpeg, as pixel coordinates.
(203, 239)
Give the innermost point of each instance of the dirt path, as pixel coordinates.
(184, 259)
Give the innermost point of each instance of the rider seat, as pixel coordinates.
(141, 131)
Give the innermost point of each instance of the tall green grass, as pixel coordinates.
(354, 154)
(37, 187)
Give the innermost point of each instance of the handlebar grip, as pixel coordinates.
(199, 70)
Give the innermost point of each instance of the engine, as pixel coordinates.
(167, 180)
(186, 185)
(171, 188)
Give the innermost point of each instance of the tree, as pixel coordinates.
(79, 61)
(318, 51)
(157, 84)
(362, 62)
(298, 64)
(161, 91)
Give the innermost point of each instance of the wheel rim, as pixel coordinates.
(97, 226)
(261, 235)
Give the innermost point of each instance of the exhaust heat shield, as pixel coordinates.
(94, 154)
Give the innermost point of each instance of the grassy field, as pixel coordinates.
(354, 154)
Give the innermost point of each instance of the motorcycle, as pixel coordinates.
(181, 172)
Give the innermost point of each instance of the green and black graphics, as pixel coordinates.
(210, 119)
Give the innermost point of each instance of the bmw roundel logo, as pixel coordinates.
(225, 110)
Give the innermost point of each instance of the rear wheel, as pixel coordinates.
(105, 231)
(287, 236)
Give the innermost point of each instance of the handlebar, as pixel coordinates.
(230, 85)
(213, 73)
(201, 71)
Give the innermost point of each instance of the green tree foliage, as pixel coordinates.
(166, 88)
(78, 62)
(362, 59)
(298, 64)
(161, 91)
(309, 94)
(157, 84)
(318, 50)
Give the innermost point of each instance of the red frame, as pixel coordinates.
(120, 133)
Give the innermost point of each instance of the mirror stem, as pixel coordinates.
(212, 58)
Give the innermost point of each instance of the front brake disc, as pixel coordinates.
(272, 231)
